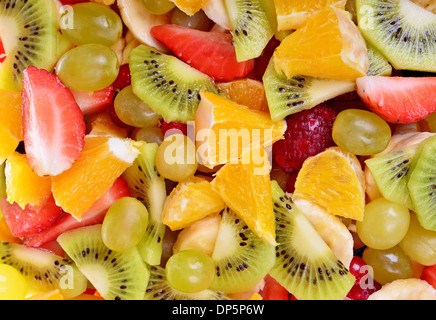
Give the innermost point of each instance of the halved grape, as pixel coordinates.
(13, 285)
(158, 6)
(149, 135)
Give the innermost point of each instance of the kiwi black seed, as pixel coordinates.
(305, 265)
(30, 38)
(422, 184)
(242, 259)
(44, 271)
(159, 289)
(148, 186)
(251, 29)
(378, 64)
(391, 173)
(168, 85)
(115, 275)
(287, 96)
(402, 31)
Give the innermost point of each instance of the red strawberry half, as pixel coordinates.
(398, 99)
(53, 124)
(210, 52)
(94, 102)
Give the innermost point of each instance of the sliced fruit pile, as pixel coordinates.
(217, 150)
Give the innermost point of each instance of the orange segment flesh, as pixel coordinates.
(328, 46)
(11, 126)
(103, 159)
(189, 202)
(49, 295)
(292, 14)
(190, 6)
(333, 180)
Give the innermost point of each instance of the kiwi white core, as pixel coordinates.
(8, 33)
(413, 14)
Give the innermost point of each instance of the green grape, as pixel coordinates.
(133, 111)
(158, 6)
(88, 67)
(388, 265)
(190, 271)
(361, 132)
(125, 224)
(198, 21)
(92, 23)
(13, 285)
(176, 158)
(419, 244)
(2, 180)
(149, 135)
(384, 224)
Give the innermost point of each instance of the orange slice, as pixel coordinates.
(247, 92)
(190, 201)
(328, 46)
(49, 295)
(24, 186)
(292, 14)
(225, 130)
(333, 180)
(11, 126)
(190, 6)
(103, 159)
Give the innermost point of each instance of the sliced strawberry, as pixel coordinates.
(210, 52)
(94, 102)
(53, 124)
(2, 52)
(429, 275)
(398, 99)
(273, 290)
(123, 79)
(30, 220)
(94, 215)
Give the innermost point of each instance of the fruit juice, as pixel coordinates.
(217, 150)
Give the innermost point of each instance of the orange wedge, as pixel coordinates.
(190, 201)
(292, 14)
(103, 159)
(328, 46)
(225, 130)
(190, 6)
(11, 126)
(333, 180)
(49, 295)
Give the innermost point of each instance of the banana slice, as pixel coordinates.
(118, 48)
(216, 11)
(335, 234)
(405, 289)
(139, 21)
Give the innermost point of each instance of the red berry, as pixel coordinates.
(273, 290)
(290, 185)
(124, 79)
(363, 287)
(309, 132)
(429, 275)
(173, 127)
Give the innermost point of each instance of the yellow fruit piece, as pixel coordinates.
(24, 186)
(247, 192)
(103, 159)
(333, 180)
(11, 125)
(190, 201)
(190, 6)
(328, 46)
(226, 130)
(256, 296)
(50, 295)
(292, 14)
(6, 77)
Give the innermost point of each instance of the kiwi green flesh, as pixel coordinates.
(378, 64)
(115, 275)
(402, 31)
(305, 265)
(44, 271)
(241, 258)
(148, 186)
(422, 185)
(168, 85)
(28, 30)
(288, 96)
(251, 28)
(391, 173)
(159, 289)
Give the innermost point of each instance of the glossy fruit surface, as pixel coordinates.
(13, 285)
(198, 20)
(158, 6)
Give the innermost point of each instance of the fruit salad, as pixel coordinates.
(217, 150)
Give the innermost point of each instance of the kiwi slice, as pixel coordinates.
(44, 271)
(422, 184)
(116, 276)
(378, 64)
(168, 85)
(251, 28)
(159, 289)
(401, 30)
(391, 173)
(305, 265)
(241, 258)
(287, 96)
(28, 30)
(148, 186)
